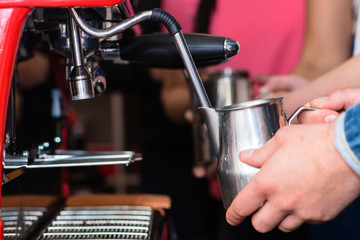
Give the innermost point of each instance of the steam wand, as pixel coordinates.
(80, 79)
(174, 28)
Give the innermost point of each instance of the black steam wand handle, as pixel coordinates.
(159, 50)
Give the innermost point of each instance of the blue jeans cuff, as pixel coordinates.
(342, 144)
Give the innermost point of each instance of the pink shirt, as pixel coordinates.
(184, 12)
(270, 33)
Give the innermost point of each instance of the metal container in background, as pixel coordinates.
(224, 88)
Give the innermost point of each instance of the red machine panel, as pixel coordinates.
(57, 3)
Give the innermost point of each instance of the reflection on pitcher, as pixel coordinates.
(238, 127)
(223, 88)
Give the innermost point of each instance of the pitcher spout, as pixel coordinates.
(211, 118)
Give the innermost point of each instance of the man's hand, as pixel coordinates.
(302, 178)
(339, 100)
(278, 85)
(331, 106)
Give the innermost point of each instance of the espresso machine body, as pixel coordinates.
(78, 30)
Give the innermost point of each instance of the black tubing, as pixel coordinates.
(165, 18)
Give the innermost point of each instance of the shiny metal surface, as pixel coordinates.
(191, 70)
(71, 158)
(113, 222)
(231, 48)
(75, 39)
(80, 79)
(81, 83)
(88, 222)
(110, 50)
(178, 38)
(223, 88)
(17, 220)
(238, 127)
(299, 110)
(113, 30)
(228, 88)
(244, 126)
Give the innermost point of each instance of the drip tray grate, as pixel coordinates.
(17, 220)
(105, 222)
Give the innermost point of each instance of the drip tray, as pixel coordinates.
(71, 158)
(112, 222)
(18, 220)
(93, 216)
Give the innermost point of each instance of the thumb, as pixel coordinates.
(257, 157)
(338, 100)
(249, 157)
(318, 116)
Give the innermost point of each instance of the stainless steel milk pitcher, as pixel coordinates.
(238, 127)
(223, 88)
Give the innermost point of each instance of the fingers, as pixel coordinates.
(267, 218)
(245, 203)
(274, 83)
(318, 116)
(250, 198)
(290, 223)
(332, 105)
(281, 82)
(338, 100)
(257, 157)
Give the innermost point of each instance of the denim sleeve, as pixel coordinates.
(347, 137)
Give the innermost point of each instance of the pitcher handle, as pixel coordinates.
(299, 110)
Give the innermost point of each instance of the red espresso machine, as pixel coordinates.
(139, 49)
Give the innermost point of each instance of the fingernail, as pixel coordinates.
(247, 153)
(320, 100)
(230, 222)
(307, 105)
(330, 118)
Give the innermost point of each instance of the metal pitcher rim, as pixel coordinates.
(249, 104)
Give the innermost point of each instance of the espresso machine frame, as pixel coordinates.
(13, 15)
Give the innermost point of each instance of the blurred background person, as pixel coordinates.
(271, 38)
(328, 43)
